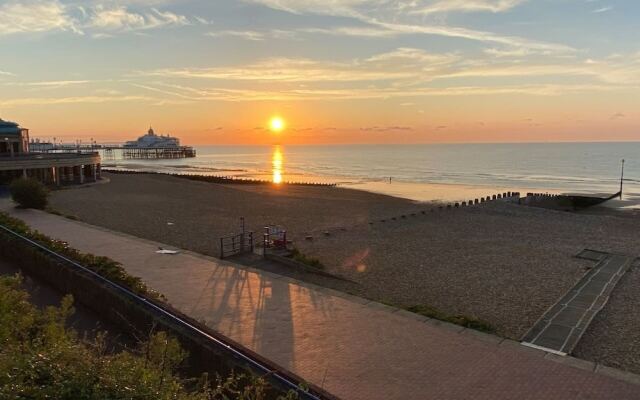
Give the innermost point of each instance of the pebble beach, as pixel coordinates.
(502, 263)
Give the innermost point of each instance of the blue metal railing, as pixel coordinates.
(286, 382)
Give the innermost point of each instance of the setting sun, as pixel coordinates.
(276, 124)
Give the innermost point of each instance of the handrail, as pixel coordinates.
(140, 299)
(46, 156)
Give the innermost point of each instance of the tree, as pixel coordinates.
(29, 193)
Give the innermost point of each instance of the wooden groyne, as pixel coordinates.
(565, 202)
(217, 178)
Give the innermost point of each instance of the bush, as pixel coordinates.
(42, 358)
(310, 261)
(462, 320)
(104, 266)
(29, 193)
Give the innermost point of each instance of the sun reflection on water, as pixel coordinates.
(276, 164)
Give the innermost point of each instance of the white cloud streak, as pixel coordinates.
(34, 16)
(39, 16)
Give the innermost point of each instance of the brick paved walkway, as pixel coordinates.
(353, 348)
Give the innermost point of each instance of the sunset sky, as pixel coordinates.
(336, 71)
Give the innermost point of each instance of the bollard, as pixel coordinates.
(464, 204)
(494, 196)
(482, 200)
(500, 196)
(509, 194)
(476, 201)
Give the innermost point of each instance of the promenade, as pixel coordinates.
(354, 348)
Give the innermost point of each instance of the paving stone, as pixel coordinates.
(574, 362)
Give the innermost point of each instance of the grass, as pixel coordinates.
(310, 261)
(462, 320)
(60, 214)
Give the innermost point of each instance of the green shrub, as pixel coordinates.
(41, 358)
(310, 261)
(104, 266)
(462, 320)
(29, 193)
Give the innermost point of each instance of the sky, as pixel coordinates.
(336, 71)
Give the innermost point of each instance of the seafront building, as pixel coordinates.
(16, 160)
(151, 140)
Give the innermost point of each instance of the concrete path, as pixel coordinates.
(354, 348)
(562, 326)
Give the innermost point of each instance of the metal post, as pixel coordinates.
(621, 178)
(242, 235)
(221, 248)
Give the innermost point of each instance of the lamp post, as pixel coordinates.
(621, 178)
(8, 144)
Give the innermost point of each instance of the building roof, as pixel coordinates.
(9, 128)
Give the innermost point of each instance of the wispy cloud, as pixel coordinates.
(100, 20)
(71, 100)
(396, 17)
(52, 84)
(34, 16)
(408, 66)
(254, 35)
(119, 18)
(602, 10)
(400, 73)
(494, 6)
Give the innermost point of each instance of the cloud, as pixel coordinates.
(386, 128)
(51, 84)
(494, 6)
(70, 100)
(119, 18)
(617, 116)
(35, 16)
(602, 10)
(253, 35)
(398, 17)
(408, 67)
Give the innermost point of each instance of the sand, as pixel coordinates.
(503, 263)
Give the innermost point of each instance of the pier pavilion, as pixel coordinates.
(17, 161)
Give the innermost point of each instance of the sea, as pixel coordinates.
(441, 172)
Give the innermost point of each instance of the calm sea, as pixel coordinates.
(424, 172)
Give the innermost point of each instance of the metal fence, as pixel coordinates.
(236, 244)
(159, 311)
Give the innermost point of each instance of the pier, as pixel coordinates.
(150, 153)
(112, 152)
